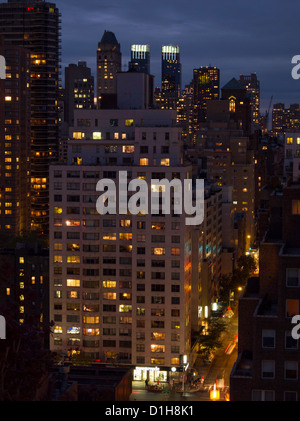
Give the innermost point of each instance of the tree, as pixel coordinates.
(211, 340)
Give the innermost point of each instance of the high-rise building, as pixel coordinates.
(239, 104)
(140, 58)
(109, 63)
(206, 87)
(79, 90)
(185, 112)
(252, 86)
(36, 26)
(170, 75)
(15, 146)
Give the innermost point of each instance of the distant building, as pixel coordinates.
(170, 75)
(140, 58)
(35, 25)
(135, 90)
(79, 90)
(206, 86)
(252, 86)
(285, 119)
(15, 148)
(109, 63)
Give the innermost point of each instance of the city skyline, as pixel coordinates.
(213, 34)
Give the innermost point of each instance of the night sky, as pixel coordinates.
(239, 37)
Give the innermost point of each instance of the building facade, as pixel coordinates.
(79, 90)
(109, 63)
(36, 26)
(267, 367)
(15, 150)
(140, 58)
(120, 285)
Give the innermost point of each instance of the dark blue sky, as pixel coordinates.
(239, 37)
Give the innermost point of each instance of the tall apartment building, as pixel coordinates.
(225, 154)
(170, 75)
(35, 25)
(184, 110)
(267, 367)
(252, 86)
(79, 90)
(206, 87)
(109, 63)
(140, 58)
(15, 149)
(120, 285)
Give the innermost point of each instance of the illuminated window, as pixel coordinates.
(157, 361)
(165, 162)
(158, 251)
(144, 161)
(109, 296)
(296, 207)
(8, 98)
(91, 319)
(129, 122)
(109, 236)
(57, 210)
(109, 284)
(289, 141)
(73, 282)
(125, 308)
(157, 348)
(73, 259)
(97, 136)
(78, 135)
(57, 259)
(125, 236)
(128, 149)
(21, 259)
(232, 105)
(57, 329)
(91, 332)
(73, 223)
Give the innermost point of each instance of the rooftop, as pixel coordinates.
(109, 38)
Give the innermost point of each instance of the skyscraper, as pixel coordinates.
(252, 86)
(15, 144)
(170, 75)
(140, 58)
(206, 86)
(79, 89)
(109, 63)
(35, 25)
